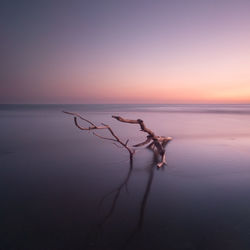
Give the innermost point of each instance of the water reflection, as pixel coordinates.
(138, 228)
(50, 191)
(95, 237)
(96, 234)
(116, 192)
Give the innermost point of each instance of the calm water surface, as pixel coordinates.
(62, 188)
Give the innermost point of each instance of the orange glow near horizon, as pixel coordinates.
(169, 52)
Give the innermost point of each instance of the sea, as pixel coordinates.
(66, 188)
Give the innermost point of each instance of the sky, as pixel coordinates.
(131, 51)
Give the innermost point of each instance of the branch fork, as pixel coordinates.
(157, 143)
(154, 142)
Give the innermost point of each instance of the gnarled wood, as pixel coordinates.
(138, 121)
(144, 142)
(158, 142)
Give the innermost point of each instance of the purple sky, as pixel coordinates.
(125, 51)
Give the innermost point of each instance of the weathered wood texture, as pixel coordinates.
(156, 143)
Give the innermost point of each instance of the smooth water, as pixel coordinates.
(62, 188)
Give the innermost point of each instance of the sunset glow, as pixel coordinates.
(126, 52)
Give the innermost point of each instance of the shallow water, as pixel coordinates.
(62, 188)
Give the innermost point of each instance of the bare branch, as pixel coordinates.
(105, 126)
(117, 145)
(77, 115)
(159, 142)
(102, 137)
(166, 141)
(125, 120)
(163, 161)
(149, 138)
(89, 128)
(138, 121)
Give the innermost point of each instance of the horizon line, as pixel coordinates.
(125, 103)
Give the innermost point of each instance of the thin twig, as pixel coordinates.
(104, 126)
(102, 137)
(77, 115)
(158, 143)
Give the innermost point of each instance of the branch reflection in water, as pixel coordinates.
(95, 236)
(117, 192)
(150, 169)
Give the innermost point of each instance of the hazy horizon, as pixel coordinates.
(125, 103)
(100, 103)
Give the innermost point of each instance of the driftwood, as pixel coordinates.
(156, 143)
(115, 138)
